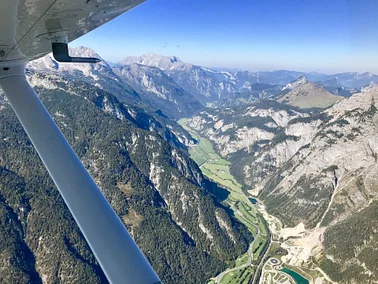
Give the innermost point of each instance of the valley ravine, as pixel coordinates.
(249, 267)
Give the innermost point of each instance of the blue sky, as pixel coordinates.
(307, 35)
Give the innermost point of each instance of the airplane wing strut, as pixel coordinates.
(115, 250)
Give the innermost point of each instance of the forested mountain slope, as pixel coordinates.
(141, 167)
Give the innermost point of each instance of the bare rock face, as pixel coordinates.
(204, 84)
(155, 86)
(239, 129)
(156, 60)
(294, 84)
(333, 148)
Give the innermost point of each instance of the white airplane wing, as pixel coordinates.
(30, 29)
(27, 26)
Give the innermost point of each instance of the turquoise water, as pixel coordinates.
(297, 277)
(253, 201)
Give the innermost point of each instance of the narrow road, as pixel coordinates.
(262, 261)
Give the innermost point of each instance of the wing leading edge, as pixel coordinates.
(28, 26)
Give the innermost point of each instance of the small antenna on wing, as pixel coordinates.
(60, 52)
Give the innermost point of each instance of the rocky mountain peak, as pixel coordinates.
(365, 75)
(296, 83)
(83, 51)
(371, 86)
(156, 60)
(100, 74)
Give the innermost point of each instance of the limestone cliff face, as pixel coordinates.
(319, 169)
(240, 129)
(331, 151)
(283, 148)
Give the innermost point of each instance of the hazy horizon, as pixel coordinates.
(321, 36)
(223, 68)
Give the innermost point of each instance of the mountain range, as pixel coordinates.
(178, 89)
(303, 144)
(200, 80)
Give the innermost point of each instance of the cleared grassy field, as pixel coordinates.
(249, 212)
(257, 248)
(241, 276)
(241, 259)
(214, 166)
